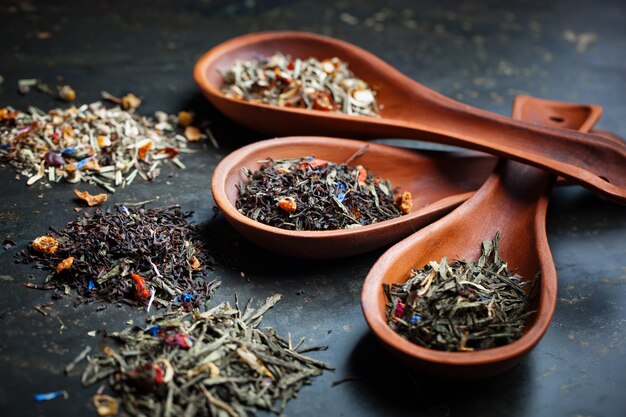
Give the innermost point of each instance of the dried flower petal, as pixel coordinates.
(193, 134)
(54, 159)
(67, 93)
(143, 148)
(194, 263)
(71, 168)
(7, 114)
(313, 163)
(288, 204)
(104, 141)
(323, 101)
(105, 405)
(46, 245)
(169, 151)
(143, 292)
(130, 102)
(91, 200)
(399, 310)
(65, 264)
(362, 174)
(404, 202)
(185, 118)
(179, 339)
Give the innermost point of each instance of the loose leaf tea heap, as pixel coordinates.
(137, 256)
(216, 363)
(311, 194)
(278, 80)
(461, 306)
(94, 143)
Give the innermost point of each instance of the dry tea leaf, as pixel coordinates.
(46, 245)
(193, 134)
(91, 200)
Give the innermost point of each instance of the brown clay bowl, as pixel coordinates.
(438, 181)
(412, 111)
(513, 201)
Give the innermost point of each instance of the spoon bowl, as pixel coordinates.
(513, 201)
(436, 189)
(410, 110)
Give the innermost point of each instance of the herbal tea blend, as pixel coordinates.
(216, 363)
(137, 256)
(461, 306)
(108, 146)
(311, 194)
(279, 80)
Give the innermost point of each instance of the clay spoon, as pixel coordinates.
(410, 110)
(436, 188)
(512, 201)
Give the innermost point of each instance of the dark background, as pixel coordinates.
(481, 53)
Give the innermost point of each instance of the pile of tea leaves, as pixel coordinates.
(216, 363)
(106, 145)
(137, 256)
(462, 305)
(312, 194)
(279, 80)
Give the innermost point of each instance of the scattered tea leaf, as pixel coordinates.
(232, 368)
(110, 248)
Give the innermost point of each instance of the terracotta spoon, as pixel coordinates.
(438, 181)
(512, 201)
(412, 111)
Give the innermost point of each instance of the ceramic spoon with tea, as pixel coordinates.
(438, 182)
(411, 110)
(513, 202)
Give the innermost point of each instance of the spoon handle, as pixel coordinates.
(521, 192)
(593, 161)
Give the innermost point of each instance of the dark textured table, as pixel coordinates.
(479, 53)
